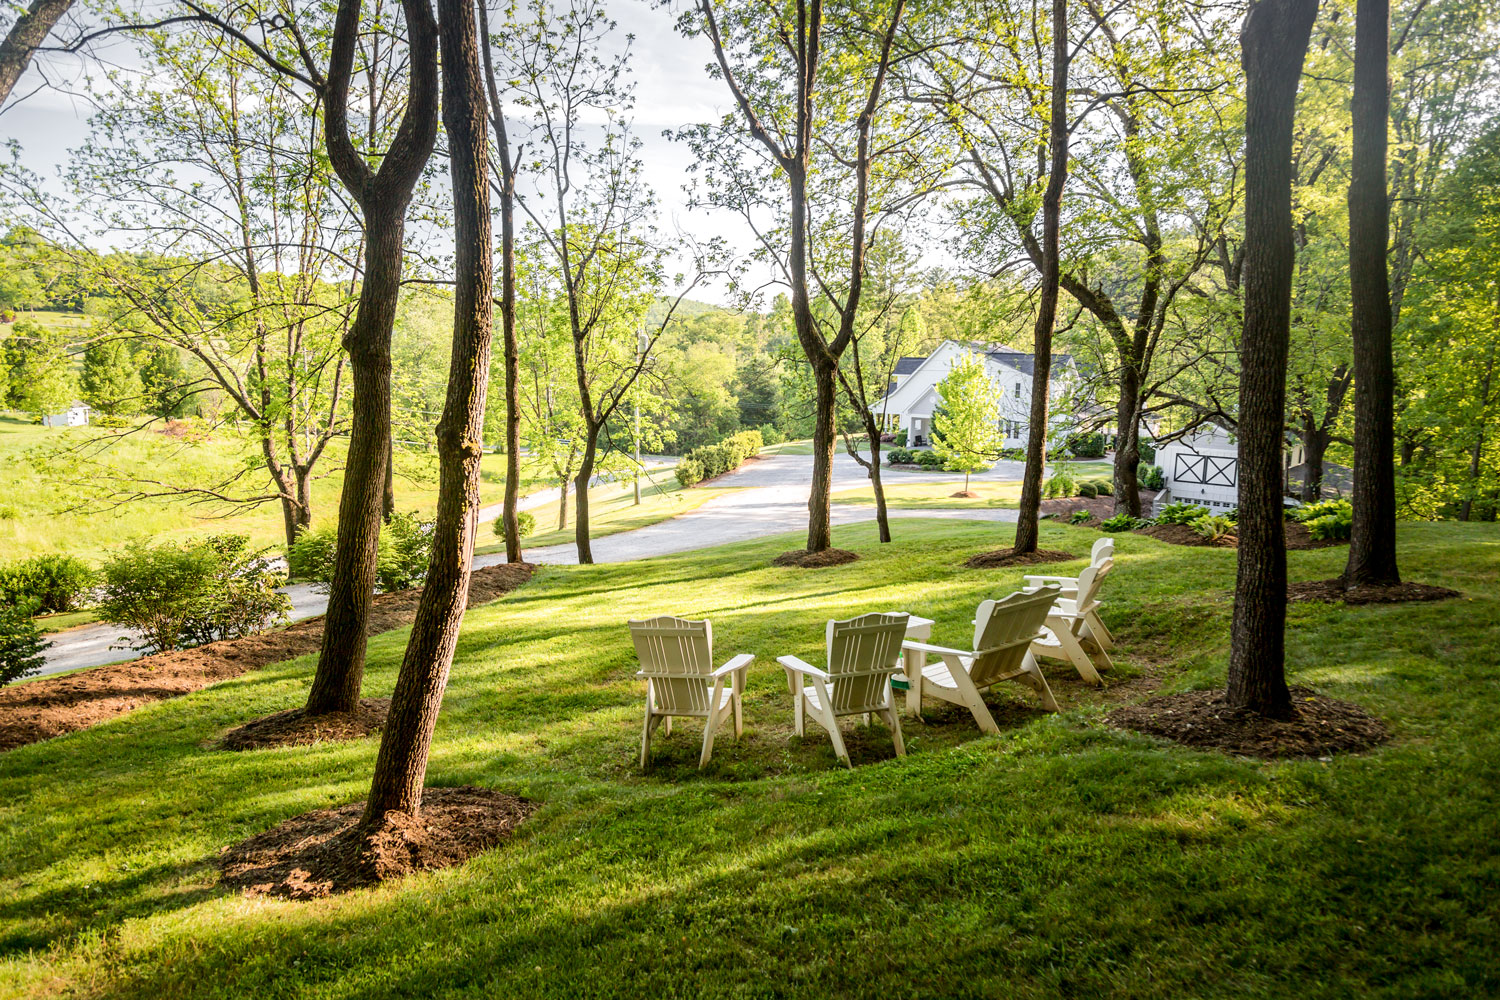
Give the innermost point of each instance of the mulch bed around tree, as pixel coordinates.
(320, 853)
(1061, 510)
(1319, 725)
(815, 560)
(1333, 592)
(966, 495)
(294, 728)
(51, 706)
(1000, 558)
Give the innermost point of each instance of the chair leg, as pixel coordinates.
(894, 718)
(1037, 681)
(710, 724)
(739, 716)
(1069, 643)
(1100, 633)
(831, 723)
(914, 693)
(973, 700)
(668, 726)
(646, 736)
(801, 710)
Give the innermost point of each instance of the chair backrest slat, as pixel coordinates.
(862, 655)
(1003, 631)
(677, 655)
(1103, 549)
(1088, 584)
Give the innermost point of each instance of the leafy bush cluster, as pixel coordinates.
(716, 459)
(1150, 477)
(1326, 519)
(184, 595)
(899, 456)
(1213, 527)
(1146, 451)
(1091, 488)
(929, 459)
(771, 434)
(1079, 516)
(1180, 513)
(21, 642)
(405, 548)
(900, 439)
(1124, 522)
(1060, 485)
(1088, 444)
(47, 583)
(525, 524)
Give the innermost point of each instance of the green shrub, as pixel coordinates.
(1331, 526)
(928, 459)
(182, 595)
(1060, 485)
(50, 583)
(688, 472)
(900, 439)
(1213, 527)
(1150, 477)
(1119, 522)
(310, 557)
(771, 434)
(1087, 490)
(899, 456)
(525, 524)
(1145, 450)
(1088, 444)
(1321, 508)
(1180, 513)
(1103, 487)
(1079, 516)
(405, 549)
(712, 460)
(21, 642)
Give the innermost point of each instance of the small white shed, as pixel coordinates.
(1203, 468)
(76, 415)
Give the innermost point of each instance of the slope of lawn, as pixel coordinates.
(1059, 858)
(929, 496)
(612, 509)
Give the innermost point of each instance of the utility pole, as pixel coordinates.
(635, 406)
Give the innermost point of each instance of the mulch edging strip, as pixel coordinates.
(38, 710)
(1000, 558)
(295, 728)
(321, 853)
(1333, 592)
(815, 560)
(1319, 725)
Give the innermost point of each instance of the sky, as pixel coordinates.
(47, 115)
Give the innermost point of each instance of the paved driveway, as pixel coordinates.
(772, 500)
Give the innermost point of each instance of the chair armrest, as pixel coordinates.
(793, 665)
(1060, 581)
(739, 661)
(927, 647)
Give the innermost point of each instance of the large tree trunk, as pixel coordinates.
(581, 496)
(1028, 522)
(1128, 443)
(510, 520)
(401, 765)
(1314, 444)
(25, 36)
(562, 505)
(341, 665)
(1274, 43)
(825, 433)
(1372, 538)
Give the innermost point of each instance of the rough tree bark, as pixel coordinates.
(1028, 521)
(24, 38)
(401, 765)
(383, 196)
(1273, 46)
(1372, 537)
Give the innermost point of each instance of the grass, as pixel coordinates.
(803, 446)
(1059, 858)
(613, 509)
(928, 496)
(34, 517)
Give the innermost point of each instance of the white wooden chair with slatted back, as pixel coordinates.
(1102, 553)
(863, 653)
(676, 656)
(1070, 633)
(1003, 633)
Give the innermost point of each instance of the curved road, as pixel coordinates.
(772, 499)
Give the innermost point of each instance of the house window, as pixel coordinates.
(1018, 388)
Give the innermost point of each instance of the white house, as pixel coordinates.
(76, 415)
(1202, 468)
(914, 395)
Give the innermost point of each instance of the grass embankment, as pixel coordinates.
(803, 446)
(1057, 858)
(936, 496)
(33, 500)
(613, 509)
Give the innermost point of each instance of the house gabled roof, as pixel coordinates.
(905, 366)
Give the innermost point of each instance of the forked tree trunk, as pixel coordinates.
(1028, 522)
(26, 35)
(562, 505)
(1273, 45)
(401, 766)
(1314, 445)
(1372, 537)
(825, 433)
(1128, 443)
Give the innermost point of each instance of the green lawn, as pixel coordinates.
(800, 447)
(1059, 858)
(613, 509)
(33, 503)
(927, 496)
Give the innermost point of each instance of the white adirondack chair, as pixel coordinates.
(1003, 633)
(1101, 554)
(677, 665)
(863, 653)
(1074, 631)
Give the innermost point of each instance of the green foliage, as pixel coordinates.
(1180, 513)
(1321, 508)
(21, 642)
(965, 426)
(39, 376)
(1335, 525)
(1060, 485)
(180, 595)
(50, 583)
(1213, 527)
(1146, 451)
(1088, 490)
(111, 380)
(1103, 487)
(525, 524)
(310, 557)
(770, 434)
(1122, 522)
(1079, 516)
(1087, 444)
(716, 459)
(405, 547)
(899, 456)
(1151, 477)
(899, 440)
(162, 382)
(928, 459)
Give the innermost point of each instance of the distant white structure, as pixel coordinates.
(1202, 468)
(76, 415)
(914, 395)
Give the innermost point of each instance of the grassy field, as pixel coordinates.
(927, 496)
(51, 319)
(801, 447)
(613, 509)
(1059, 858)
(33, 502)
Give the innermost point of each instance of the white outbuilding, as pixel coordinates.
(76, 415)
(1202, 468)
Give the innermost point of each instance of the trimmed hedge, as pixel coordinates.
(47, 583)
(716, 459)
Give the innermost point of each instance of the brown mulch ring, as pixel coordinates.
(320, 853)
(1009, 557)
(51, 706)
(1333, 592)
(1319, 725)
(965, 495)
(1181, 534)
(1061, 510)
(294, 728)
(815, 560)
